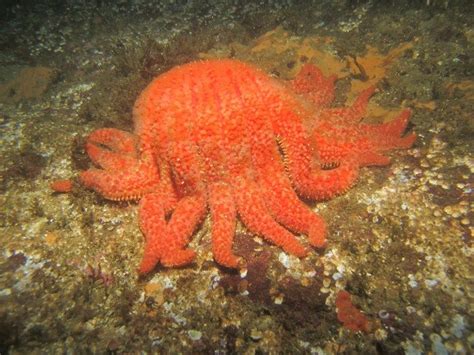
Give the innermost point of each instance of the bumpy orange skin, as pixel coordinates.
(224, 137)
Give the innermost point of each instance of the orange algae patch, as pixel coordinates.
(467, 86)
(61, 186)
(313, 49)
(277, 39)
(426, 105)
(277, 48)
(368, 69)
(351, 317)
(372, 67)
(155, 291)
(279, 51)
(378, 114)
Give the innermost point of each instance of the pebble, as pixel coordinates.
(278, 299)
(194, 334)
(465, 222)
(256, 334)
(413, 283)
(431, 283)
(284, 259)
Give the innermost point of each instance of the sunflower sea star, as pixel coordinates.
(224, 137)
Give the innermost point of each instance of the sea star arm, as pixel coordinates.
(280, 197)
(153, 225)
(166, 189)
(311, 83)
(127, 184)
(255, 215)
(293, 214)
(339, 135)
(387, 136)
(352, 114)
(308, 178)
(184, 220)
(165, 242)
(111, 148)
(124, 176)
(223, 217)
(384, 137)
(191, 207)
(152, 211)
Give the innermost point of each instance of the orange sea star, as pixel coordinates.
(224, 137)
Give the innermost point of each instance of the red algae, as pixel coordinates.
(350, 316)
(62, 186)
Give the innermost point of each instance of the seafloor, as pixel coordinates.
(400, 241)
